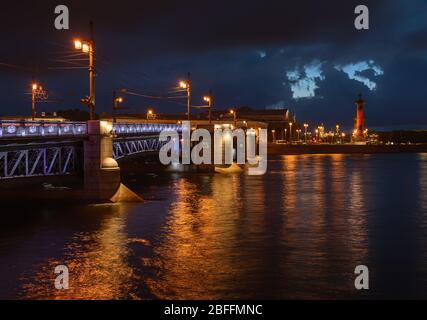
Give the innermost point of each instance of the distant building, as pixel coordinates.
(276, 119)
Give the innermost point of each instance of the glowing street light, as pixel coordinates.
(87, 46)
(78, 44)
(37, 92)
(298, 134)
(116, 101)
(187, 86)
(209, 99)
(234, 113)
(305, 132)
(34, 88)
(150, 114)
(290, 132)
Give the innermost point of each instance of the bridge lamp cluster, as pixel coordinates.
(84, 46)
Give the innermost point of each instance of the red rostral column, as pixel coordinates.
(359, 125)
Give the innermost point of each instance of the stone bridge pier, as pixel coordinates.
(101, 171)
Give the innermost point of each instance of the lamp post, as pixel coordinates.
(150, 114)
(290, 132)
(337, 128)
(116, 101)
(234, 113)
(286, 133)
(87, 46)
(187, 85)
(305, 132)
(34, 88)
(208, 99)
(37, 94)
(298, 134)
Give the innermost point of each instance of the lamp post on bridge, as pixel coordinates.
(187, 85)
(37, 92)
(234, 113)
(116, 101)
(150, 114)
(209, 99)
(87, 46)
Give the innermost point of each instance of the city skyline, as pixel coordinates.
(256, 55)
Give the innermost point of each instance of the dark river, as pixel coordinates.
(297, 232)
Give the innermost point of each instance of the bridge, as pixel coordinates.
(50, 148)
(47, 148)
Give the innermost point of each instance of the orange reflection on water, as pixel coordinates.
(96, 262)
(201, 241)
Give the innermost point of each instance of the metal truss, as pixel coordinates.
(31, 161)
(126, 147)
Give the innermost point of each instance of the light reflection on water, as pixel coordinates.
(297, 232)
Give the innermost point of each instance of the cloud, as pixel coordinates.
(262, 54)
(356, 71)
(303, 81)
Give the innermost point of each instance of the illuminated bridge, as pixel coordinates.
(46, 148)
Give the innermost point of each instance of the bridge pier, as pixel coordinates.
(101, 171)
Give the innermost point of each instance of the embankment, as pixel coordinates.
(283, 149)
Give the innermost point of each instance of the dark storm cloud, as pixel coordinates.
(164, 26)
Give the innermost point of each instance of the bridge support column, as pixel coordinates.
(101, 171)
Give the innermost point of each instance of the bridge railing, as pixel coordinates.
(125, 129)
(19, 129)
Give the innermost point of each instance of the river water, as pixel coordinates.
(297, 232)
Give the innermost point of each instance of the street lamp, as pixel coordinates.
(37, 93)
(337, 130)
(234, 113)
(305, 132)
(34, 88)
(208, 99)
(290, 132)
(87, 46)
(116, 101)
(298, 134)
(187, 86)
(286, 133)
(150, 114)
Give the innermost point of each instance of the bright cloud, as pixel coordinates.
(354, 72)
(262, 54)
(304, 80)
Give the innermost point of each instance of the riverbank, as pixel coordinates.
(281, 149)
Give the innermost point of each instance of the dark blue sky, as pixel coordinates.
(305, 55)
